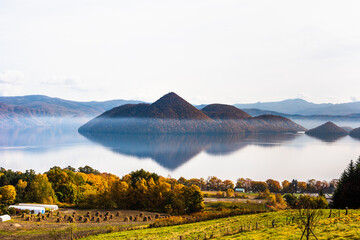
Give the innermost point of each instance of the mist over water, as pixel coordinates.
(227, 156)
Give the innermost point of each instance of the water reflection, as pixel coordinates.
(173, 150)
(328, 138)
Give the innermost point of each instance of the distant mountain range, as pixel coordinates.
(39, 110)
(172, 114)
(305, 108)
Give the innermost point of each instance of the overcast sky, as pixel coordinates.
(228, 51)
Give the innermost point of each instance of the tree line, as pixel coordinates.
(215, 184)
(88, 188)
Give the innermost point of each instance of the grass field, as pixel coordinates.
(255, 226)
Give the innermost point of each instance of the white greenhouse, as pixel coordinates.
(5, 218)
(46, 206)
(36, 210)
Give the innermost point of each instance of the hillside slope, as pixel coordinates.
(172, 114)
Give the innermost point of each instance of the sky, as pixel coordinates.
(207, 51)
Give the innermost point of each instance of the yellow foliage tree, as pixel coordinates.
(8, 194)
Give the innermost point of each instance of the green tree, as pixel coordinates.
(40, 190)
(347, 192)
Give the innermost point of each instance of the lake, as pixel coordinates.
(256, 156)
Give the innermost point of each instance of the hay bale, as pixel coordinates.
(107, 214)
(58, 220)
(28, 219)
(141, 214)
(100, 216)
(74, 213)
(72, 220)
(48, 215)
(117, 214)
(149, 218)
(136, 219)
(106, 218)
(39, 214)
(38, 219)
(131, 218)
(43, 217)
(157, 216)
(81, 218)
(111, 216)
(126, 219)
(98, 220)
(23, 215)
(65, 217)
(97, 214)
(58, 214)
(86, 220)
(88, 215)
(145, 219)
(92, 218)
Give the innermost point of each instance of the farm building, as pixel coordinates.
(240, 190)
(46, 206)
(4, 218)
(33, 209)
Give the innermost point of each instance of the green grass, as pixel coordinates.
(233, 205)
(343, 227)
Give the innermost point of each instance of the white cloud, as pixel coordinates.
(11, 77)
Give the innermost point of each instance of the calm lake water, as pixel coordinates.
(281, 156)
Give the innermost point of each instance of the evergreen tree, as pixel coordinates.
(347, 193)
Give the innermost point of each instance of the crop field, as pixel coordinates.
(270, 225)
(70, 223)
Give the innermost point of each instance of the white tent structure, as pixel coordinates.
(46, 206)
(30, 208)
(4, 218)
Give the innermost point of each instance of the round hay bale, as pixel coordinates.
(58, 220)
(100, 216)
(135, 219)
(117, 214)
(23, 215)
(141, 214)
(145, 219)
(107, 214)
(157, 216)
(149, 218)
(43, 217)
(58, 214)
(111, 216)
(74, 212)
(86, 220)
(106, 218)
(97, 214)
(28, 219)
(48, 215)
(131, 218)
(39, 214)
(98, 220)
(39, 219)
(65, 217)
(88, 213)
(126, 219)
(81, 218)
(92, 218)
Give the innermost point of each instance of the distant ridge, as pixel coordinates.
(173, 114)
(327, 129)
(40, 110)
(301, 107)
